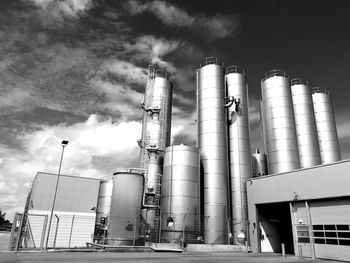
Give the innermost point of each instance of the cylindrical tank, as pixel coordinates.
(259, 163)
(125, 207)
(326, 127)
(281, 139)
(180, 193)
(104, 200)
(212, 144)
(239, 148)
(305, 124)
(155, 137)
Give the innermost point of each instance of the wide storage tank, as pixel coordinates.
(104, 201)
(309, 150)
(279, 127)
(125, 208)
(326, 127)
(239, 148)
(212, 143)
(180, 194)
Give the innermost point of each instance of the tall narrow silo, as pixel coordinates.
(155, 137)
(212, 144)
(326, 127)
(309, 150)
(180, 194)
(239, 147)
(279, 127)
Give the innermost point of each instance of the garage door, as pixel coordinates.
(331, 229)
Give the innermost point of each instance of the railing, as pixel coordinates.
(154, 72)
(235, 69)
(319, 90)
(299, 81)
(275, 72)
(210, 60)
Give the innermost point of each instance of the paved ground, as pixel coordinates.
(101, 257)
(4, 240)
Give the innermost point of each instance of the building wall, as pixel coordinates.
(74, 214)
(317, 196)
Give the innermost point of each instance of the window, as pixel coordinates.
(331, 234)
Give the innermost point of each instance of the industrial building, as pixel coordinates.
(291, 195)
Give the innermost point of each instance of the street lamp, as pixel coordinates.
(64, 143)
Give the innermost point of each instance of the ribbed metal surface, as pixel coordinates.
(212, 144)
(104, 200)
(280, 133)
(259, 163)
(326, 127)
(125, 206)
(305, 124)
(180, 193)
(239, 149)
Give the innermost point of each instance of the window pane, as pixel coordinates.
(343, 227)
(329, 227)
(303, 240)
(344, 242)
(331, 234)
(317, 227)
(319, 234)
(344, 234)
(332, 241)
(319, 241)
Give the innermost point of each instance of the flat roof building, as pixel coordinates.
(308, 210)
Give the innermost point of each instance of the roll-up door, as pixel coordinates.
(331, 228)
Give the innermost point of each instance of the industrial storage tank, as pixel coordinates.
(212, 144)
(309, 150)
(326, 127)
(180, 194)
(259, 163)
(279, 125)
(124, 221)
(155, 137)
(239, 147)
(104, 202)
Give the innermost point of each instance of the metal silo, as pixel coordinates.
(279, 127)
(259, 163)
(326, 127)
(239, 147)
(155, 137)
(125, 208)
(104, 201)
(180, 194)
(212, 144)
(309, 150)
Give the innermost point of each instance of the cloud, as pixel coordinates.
(97, 148)
(218, 26)
(53, 11)
(153, 50)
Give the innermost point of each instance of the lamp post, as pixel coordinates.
(64, 144)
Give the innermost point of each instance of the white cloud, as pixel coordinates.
(97, 148)
(153, 50)
(216, 27)
(57, 9)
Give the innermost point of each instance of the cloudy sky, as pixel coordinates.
(75, 70)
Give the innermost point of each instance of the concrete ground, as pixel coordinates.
(101, 257)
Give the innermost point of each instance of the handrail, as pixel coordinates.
(153, 72)
(299, 81)
(275, 72)
(210, 60)
(319, 90)
(235, 69)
